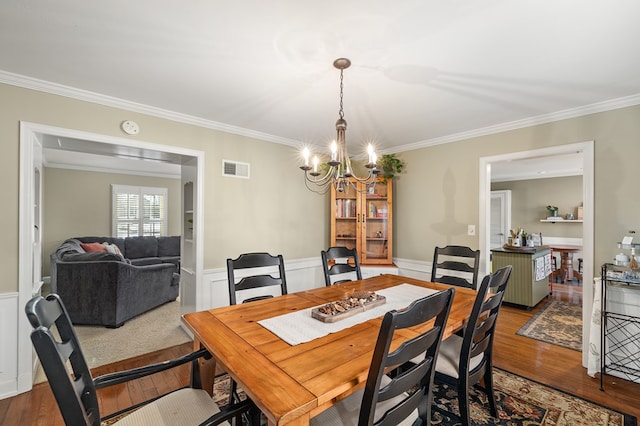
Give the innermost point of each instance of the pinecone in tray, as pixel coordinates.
(356, 300)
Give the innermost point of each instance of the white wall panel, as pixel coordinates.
(9, 339)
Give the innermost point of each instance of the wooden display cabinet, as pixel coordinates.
(364, 220)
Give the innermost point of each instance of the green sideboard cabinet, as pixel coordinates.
(529, 282)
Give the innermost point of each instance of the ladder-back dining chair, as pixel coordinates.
(340, 264)
(261, 264)
(402, 398)
(75, 390)
(464, 361)
(456, 265)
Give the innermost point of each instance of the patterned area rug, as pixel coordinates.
(558, 323)
(524, 402)
(521, 402)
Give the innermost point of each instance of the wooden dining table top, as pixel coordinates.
(565, 247)
(291, 384)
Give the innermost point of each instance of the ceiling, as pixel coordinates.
(423, 72)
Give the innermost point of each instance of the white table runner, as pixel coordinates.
(300, 327)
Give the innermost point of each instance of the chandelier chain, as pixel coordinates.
(341, 113)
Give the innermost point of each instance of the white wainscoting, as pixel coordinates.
(369, 271)
(303, 274)
(417, 269)
(9, 339)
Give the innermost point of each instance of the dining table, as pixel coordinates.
(287, 362)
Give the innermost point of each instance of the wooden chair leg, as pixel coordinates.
(488, 386)
(463, 403)
(234, 398)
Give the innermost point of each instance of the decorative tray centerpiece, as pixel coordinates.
(358, 301)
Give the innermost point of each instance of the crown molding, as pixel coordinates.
(604, 106)
(97, 98)
(110, 101)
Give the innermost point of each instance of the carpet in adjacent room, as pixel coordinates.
(156, 329)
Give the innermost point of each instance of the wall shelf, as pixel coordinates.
(561, 220)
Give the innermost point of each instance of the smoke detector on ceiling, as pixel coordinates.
(130, 127)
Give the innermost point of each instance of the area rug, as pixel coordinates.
(558, 323)
(154, 330)
(523, 402)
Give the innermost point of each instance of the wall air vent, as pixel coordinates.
(235, 169)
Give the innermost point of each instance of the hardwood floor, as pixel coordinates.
(549, 364)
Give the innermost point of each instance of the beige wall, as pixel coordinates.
(78, 203)
(435, 199)
(438, 195)
(272, 211)
(529, 199)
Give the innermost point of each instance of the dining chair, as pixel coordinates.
(339, 261)
(261, 264)
(462, 261)
(75, 391)
(405, 397)
(463, 361)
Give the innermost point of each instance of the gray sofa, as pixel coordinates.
(109, 288)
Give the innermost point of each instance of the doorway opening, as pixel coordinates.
(587, 150)
(190, 163)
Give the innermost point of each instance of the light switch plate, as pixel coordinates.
(471, 230)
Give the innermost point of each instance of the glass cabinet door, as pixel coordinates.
(362, 220)
(345, 219)
(376, 212)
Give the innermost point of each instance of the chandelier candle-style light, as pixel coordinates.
(338, 169)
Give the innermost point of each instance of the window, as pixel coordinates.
(138, 211)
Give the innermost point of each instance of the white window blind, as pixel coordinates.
(138, 211)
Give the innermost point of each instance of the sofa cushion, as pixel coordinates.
(171, 259)
(138, 247)
(169, 246)
(93, 256)
(143, 261)
(93, 247)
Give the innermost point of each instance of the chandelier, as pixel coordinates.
(337, 172)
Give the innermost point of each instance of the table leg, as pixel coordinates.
(567, 266)
(207, 369)
(300, 421)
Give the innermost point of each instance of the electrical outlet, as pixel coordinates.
(471, 230)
